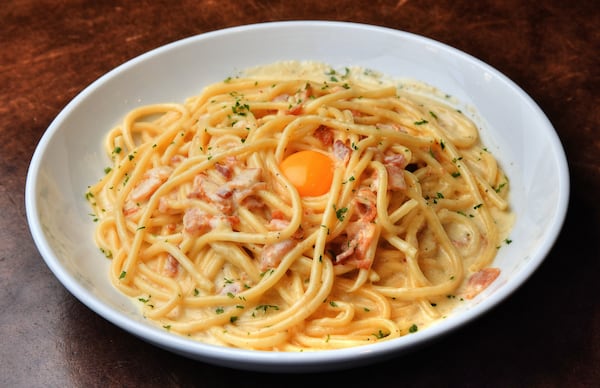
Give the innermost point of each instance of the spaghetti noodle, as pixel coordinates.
(389, 213)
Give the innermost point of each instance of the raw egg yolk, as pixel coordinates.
(310, 172)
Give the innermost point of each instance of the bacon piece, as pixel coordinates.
(151, 180)
(171, 266)
(246, 183)
(325, 135)
(394, 165)
(480, 280)
(253, 203)
(366, 204)
(272, 254)
(130, 208)
(361, 233)
(227, 167)
(360, 237)
(225, 197)
(225, 170)
(277, 224)
(341, 151)
(196, 221)
(209, 191)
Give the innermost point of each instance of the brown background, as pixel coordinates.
(547, 334)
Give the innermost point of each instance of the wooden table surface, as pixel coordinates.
(546, 334)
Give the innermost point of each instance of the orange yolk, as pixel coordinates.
(310, 172)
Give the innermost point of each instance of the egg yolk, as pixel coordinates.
(310, 172)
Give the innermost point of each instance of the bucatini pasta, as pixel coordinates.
(295, 207)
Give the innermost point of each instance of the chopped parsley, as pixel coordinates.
(340, 213)
(500, 186)
(380, 334)
(265, 307)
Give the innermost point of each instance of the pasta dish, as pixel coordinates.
(297, 208)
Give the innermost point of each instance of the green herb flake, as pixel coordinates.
(340, 213)
(500, 186)
(265, 307)
(380, 334)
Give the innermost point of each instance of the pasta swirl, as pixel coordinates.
(208, 233)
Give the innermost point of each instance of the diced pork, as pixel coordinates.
(394, 165)
(272, 254)
(480, 280)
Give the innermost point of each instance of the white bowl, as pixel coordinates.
(69, 157)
